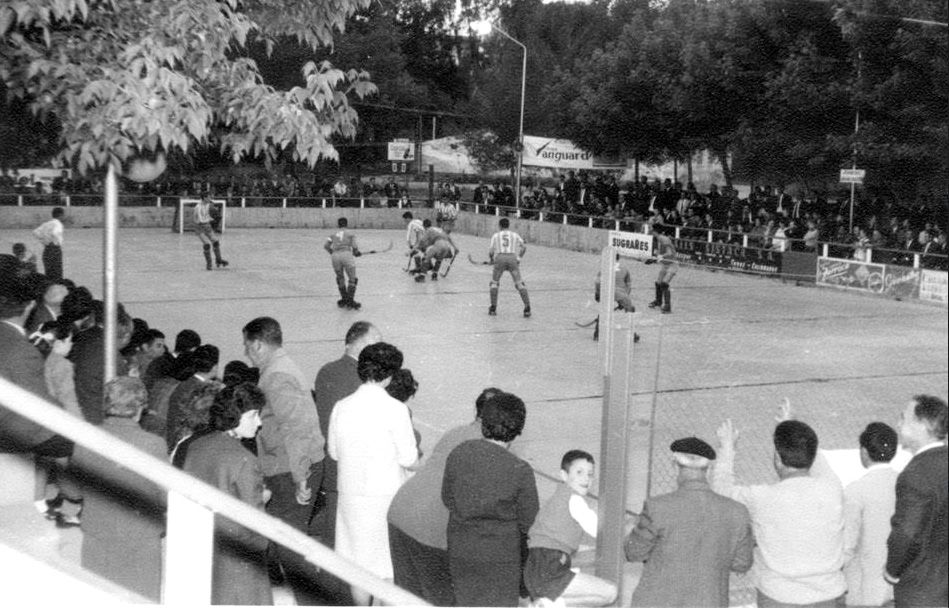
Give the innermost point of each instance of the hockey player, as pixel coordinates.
(203, 218)
(414, 229)
(507, 249)
(343, 250)
(668, 267)
(434, 246)
(622, 290)
(446, 212)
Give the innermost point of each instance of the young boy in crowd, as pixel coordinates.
(555, 538)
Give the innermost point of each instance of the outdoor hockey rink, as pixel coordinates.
(735, 346)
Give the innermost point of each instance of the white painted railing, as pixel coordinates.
(191, 507)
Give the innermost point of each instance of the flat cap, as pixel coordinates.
(692, 452)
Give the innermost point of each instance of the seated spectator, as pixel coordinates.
(25, 257)
(186, 341)
(122, 517)
(555, 537)
(88, 357)
(418, 519)
(869, 503)
(49, 307)
(811, 236)
(492, 501)
(239, 570)
(237, 372)
(797, 522)
(194, 422)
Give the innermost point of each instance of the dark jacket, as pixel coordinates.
(21, 364)
(918, 547)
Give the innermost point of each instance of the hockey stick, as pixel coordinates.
(445, 274)
(578, 324)
(475, 262)
(371, 251)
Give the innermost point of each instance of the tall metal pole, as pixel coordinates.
(856, 128)
(520, 130)
(110, 299)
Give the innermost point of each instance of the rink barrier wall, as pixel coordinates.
(802, 267)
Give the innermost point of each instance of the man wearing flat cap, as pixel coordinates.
(690, 539)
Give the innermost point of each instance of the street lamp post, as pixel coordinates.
(520, 129)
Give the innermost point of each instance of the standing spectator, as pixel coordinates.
(868, 506)
(335, 381)
(917, 557)
(491, 497)
(50, 234)
(797, 522)
(811, 236)
(289, 445)
(22, 364)
(88, 357)
(418, 519)
(371, 438)
(219, 459)
(204, 361)
(691, 538)
(122, 518)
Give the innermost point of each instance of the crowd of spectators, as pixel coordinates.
(768, 218)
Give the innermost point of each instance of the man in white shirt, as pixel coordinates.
(798, 521)
(50, 234)
(868, 507)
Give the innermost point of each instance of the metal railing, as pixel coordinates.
(192, 505)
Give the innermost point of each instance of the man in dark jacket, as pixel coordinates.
(917, 560)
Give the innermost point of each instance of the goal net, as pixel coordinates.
(184, 214)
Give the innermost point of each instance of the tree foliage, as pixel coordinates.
(774, 85)
(137, 77)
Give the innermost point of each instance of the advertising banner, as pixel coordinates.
(850, 274)
(728, 256)
(901, 282)
(934, 286)
(631, 244)
(563, 154)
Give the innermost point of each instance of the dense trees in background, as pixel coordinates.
(773, 85)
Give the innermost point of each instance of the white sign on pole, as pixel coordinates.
(401, 150)
(852, 176)
(632, 244)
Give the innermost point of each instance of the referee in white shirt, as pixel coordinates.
(50, 234)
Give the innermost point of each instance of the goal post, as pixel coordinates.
(184, 214)
(625, 422)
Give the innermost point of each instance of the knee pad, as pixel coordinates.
(353, 281)
(521, 286)
(493, 284)
(206, 247)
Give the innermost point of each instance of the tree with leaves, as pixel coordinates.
(135, 78)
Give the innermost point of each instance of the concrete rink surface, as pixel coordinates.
(735, 346)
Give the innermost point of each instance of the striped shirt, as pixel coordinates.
(344, 240)
(507, 241)
(202, 213)
(445, 211)
(414, 232)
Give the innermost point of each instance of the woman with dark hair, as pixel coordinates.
(492, 500)
(218, 458)
(370, 436)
